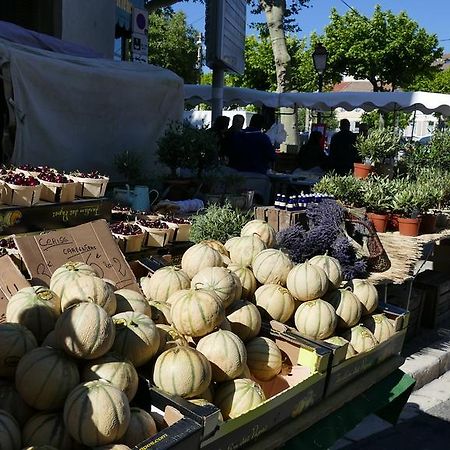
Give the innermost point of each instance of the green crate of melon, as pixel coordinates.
(72, 351)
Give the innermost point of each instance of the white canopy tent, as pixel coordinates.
(425, 102)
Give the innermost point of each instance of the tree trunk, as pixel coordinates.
(275, 12)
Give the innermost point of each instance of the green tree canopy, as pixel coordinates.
(172, 44)
(439, 82)
(387, 49)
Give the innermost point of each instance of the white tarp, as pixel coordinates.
(425, 102)
(78, 113)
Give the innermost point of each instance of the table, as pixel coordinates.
(384, 390)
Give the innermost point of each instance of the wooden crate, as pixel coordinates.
(436, 309)
(280, 219)
(398, 295)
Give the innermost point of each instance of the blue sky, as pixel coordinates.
(433, 15)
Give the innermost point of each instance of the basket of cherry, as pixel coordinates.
(180, 228)
(89, 184)
(32, 171)
(129, 236)
(20, 189)
(56, 187)
(157, 232)
(8, 247)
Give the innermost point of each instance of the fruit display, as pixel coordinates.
(56, 187)
(129, 236)
(89, 184)
(156, 231)
(20, 189)
(71, 354)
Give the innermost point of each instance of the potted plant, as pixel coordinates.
(404, 203)
(344, 188)
(377, 200)
(377, 149)
(185, 145)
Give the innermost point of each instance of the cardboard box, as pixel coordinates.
(180, 231)
(20, 195)
(11, 281)
(177, 430)
(156, 237)
(291, 393)
(90, 187)
(58, 192)
(91, 243)
(342, 371)
(130, 243)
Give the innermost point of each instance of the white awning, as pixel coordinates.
(425, 102)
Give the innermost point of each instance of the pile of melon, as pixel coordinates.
(70, 353)
(68, 360)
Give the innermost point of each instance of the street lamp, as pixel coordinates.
(320, 56)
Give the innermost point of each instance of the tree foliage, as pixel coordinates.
(387, 49)
(172, 44)
(439, 82)
(396, 119)
(260, 66)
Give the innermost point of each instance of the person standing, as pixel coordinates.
(342, 149)
(311, 154)
(252, 150)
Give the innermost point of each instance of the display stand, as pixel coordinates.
(322, 425)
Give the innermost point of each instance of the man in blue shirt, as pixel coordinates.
(251, 149)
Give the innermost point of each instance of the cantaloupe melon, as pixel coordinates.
(137, 337)
(96, 413)
(272, 266)
(223, 282)
(367, 295)
(10, 438)
(198, 257)
(164, 282)
(348, 307)
(263, 358)
(87, 288)
(115, 369)
(248, 280)
(47, 429)
(85, 331)
(142, 426)
(160, 312)
(182, 371)
(226, 353)
(68, 272)
(262, 229)
(37, 308)
(245, 319)
(380, 326)
(245, 249)
(216, 245)
(340, 341)
(196, 312)
(129, 300)
(12, 403)
(307, 282)
(316, 319)
(361, 338)
(15, 341)
(331, 266)
(275, 302)
(236, 397)
(44, 378)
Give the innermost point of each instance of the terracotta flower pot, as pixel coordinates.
(428, 224)
(409, 227)
(379, 221)
(361, 170)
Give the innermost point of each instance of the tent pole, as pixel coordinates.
(217, 92)
(413, 125)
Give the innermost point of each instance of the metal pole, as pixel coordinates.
(217, 92)
(319, 114)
